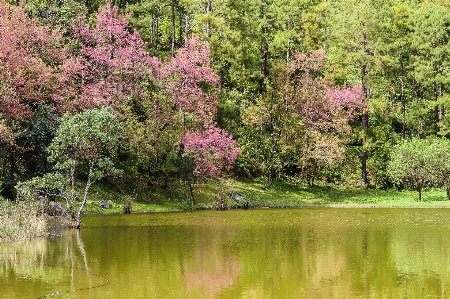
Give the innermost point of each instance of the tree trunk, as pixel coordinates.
(365, 125)
(288, 52)
(208, 9)
(191, 193)
(187, 26)
(403, 110)
(364, 152)
(77, 223)
(173, 28)
(154, 36)
(365, 116)
(419, 189)
(265, 57)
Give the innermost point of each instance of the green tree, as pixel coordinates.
(85, 142)
(440, 163)
(393, 58)
(431, 41)
(60, 15)
(418, 163)
(352, 42)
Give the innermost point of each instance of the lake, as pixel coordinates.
(267, 253)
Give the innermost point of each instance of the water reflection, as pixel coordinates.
(41, 268)
(320, 253)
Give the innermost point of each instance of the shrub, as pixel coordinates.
(21, 220)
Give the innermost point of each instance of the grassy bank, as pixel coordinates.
(18, 220)
(258, 194)
(292, 194)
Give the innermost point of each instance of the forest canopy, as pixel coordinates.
(320, 91)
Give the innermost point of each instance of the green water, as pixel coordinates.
(286, 253)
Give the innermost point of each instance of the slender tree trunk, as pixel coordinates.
(263, 64)
(77, 223)
(365, 116)
(441, 107)
(71, 198)
(272, 170)
(265, 57)
(288, 52)
(365, 125)
(191, 192)
(403, 110)
(208, 9)
(187, 26)
(173, 28)
(419, 189)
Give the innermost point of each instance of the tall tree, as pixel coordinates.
(31, 58)
(394, 57)
(188, 79)
(352, 41)
(431, 42)
(302, 119)
(111, 63)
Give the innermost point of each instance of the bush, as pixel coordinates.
(420, 163)
(128, 205)
(21, 220)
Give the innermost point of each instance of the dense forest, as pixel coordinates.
(184, 90)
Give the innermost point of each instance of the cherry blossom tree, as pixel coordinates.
(110, 65)
(347, 101)
(188, 78)
(213, 151)
(325, 110)
(31, 59)
(301, 122)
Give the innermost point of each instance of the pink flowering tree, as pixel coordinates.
(31, 58)
(301, 122)
(212, 150)
(188, 79)
(188, 84)
(110, 65)
(326, 111)
(347, 101)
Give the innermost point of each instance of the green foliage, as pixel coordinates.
(86, 141)
(380, 140)
(50, 184)
(420, 163)
(58, 14)
(89, 136)
(397, 51)
(39, 131)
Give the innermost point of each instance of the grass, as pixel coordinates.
(281, 194)
(20, 220)
(292, 194)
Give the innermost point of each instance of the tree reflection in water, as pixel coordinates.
(46, 267)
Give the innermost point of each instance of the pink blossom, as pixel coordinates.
(183, 76)
(111, 64)
(212, 149)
